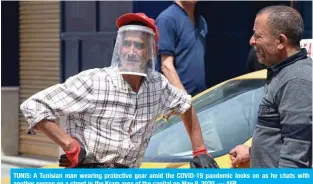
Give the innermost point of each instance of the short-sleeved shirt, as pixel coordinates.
(187, 43)
(112, 122)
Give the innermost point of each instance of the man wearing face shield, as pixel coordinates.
(111, 112)
(134, 51)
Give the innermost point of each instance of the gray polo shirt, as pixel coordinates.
(283, 133)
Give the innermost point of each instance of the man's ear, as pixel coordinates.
(282, 41)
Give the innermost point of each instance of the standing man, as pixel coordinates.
(283, 134)
(182, 46)
(111, 112)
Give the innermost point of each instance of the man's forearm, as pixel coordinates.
(189, 118)
(55, 133)
(173, 78)
(193, 128)
(170, 72)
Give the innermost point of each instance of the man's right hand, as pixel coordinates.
(239, 155)
(72, 157)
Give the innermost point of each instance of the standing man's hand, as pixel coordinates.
(72, 157)
(202, 160)
(239, 155)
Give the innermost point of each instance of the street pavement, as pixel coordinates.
(5, 169)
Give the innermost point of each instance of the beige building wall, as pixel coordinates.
(39, 66)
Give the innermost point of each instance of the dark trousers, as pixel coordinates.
(101, 165)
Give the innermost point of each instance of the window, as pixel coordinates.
(227, 116)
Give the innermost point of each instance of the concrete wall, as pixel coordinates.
(9, 121)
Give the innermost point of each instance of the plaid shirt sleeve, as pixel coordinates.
(174, 99)
(74, 95)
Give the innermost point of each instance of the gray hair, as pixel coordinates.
(285, 20)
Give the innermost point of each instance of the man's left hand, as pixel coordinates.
(73, 157)
(203, 160)
(239, 155)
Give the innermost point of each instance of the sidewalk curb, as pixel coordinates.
(25, 161)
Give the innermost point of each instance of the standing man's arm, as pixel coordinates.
(179, 101)
(170, 72)
(42, 110)
(189, 118)
(295, 109)
(200, 153)
(166, 50)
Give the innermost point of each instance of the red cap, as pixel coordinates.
(138, 17)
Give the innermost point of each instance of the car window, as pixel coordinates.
(227, 117)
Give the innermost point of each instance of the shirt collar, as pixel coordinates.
(288, 61)
(197, 15)
(119, 82)
(116, 79)
(177, 5)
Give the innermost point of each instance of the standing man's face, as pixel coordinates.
(133, 51)
(264, 42)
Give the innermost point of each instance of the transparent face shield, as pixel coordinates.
(134, 51)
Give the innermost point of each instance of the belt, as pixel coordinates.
(101, 165)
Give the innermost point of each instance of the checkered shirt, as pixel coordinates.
(113, 123)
